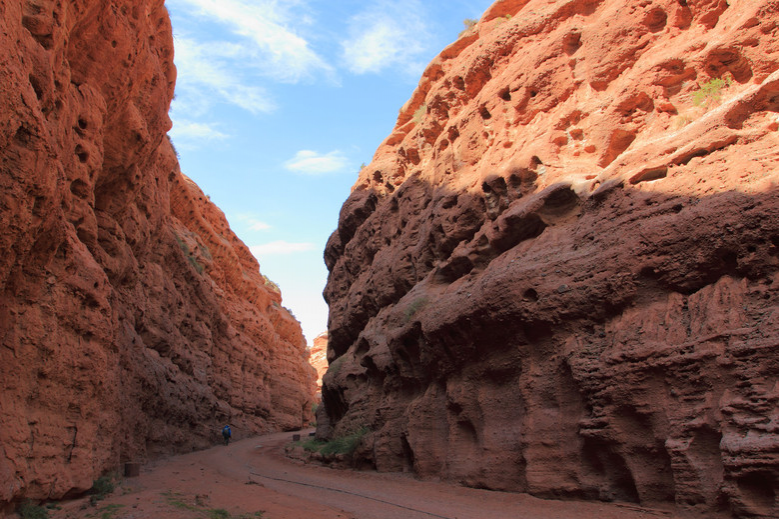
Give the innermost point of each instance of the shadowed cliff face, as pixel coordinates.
(559, 274)
(133, 321)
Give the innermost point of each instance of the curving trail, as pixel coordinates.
(253, 475)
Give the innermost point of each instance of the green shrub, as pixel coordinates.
(414, 307)
(101, 487)
(110, 511)
(345, 444)
(468, 23)
(710, 92)
(28, 510)
(270, 284)
(195, 263)
(312, 445)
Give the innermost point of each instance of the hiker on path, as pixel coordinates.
(226, 434)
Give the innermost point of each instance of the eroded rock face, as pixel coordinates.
(133, 321)
(318, 358)
(559, 274)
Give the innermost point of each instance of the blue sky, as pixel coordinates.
(279, 102)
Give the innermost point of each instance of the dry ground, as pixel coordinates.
(252, 478)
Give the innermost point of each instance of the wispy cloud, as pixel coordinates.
(387, 34)
(280, 247)
(313, 163)
(270, 33)
(256, 225)
(206, 70)
(188, 130)
(251, 221)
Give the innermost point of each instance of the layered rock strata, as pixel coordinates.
(560, 273)
(133, 322)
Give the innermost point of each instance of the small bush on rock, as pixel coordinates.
(28, 510)
(710, 92)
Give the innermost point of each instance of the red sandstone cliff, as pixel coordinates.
(133, 322)
(559, 274)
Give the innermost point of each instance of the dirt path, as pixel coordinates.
(252, 478)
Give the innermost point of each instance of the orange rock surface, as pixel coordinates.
(133, 322)
(560, 273)
(318, 358)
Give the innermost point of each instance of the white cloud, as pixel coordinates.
(195, 131)
(256, 225)
(313, 163)
(205, 71)
(252, 222)
(270, 32)
(387, 34)
(280, 247)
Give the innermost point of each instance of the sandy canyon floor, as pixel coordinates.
(253, 479)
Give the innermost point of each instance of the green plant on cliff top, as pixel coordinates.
(710, 92)
(468, 23)
(270, 284)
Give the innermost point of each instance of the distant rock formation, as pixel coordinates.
(560, 273)
(133, 322)
(318, 359)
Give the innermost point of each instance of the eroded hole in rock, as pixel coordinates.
(82, 123)
(408, 452)
(649, 175)
(456, 268)
(531, 295)
(603, 461)
(619, 141)
(559, 205)
(514, 231)
(38, 206)
(656, 20)
(720, 61)
(449, 202)
(79, 188)
(82, 154)
(485, 114)
(36, 86)
(505, 94)
(23, 135)
(572, 42)
(758, 490)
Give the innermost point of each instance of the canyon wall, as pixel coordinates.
(133, 322)
(559, 274)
